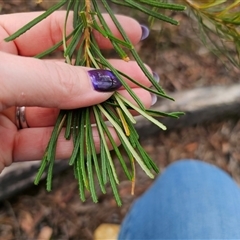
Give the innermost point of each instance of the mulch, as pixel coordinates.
(182, 62)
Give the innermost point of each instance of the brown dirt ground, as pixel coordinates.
(183, 63)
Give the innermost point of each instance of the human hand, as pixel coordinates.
(46, 86)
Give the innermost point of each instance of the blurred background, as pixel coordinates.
(184, 65)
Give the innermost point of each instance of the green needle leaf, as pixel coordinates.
(35, 21)
(107, 152)
(102, 124)
(142, 112)
(41, 169)
(80, 181)
(133, 152)
(80, 48)
(152, 13)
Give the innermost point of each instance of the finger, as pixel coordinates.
(52, 84)
(49, 31)
(41, 117)
(30, 143)
(45, 117)
(130, 69)
(36, 82)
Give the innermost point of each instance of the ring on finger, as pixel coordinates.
(21, 121)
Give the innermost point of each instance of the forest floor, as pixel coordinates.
(182, 62)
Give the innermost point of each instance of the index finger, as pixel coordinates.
(50, 31)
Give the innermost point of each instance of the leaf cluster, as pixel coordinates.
(81, 49)
(219, 23)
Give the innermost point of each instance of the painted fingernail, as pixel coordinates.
(154, 98)
(156, 77)
(104, 80)
(145, 32)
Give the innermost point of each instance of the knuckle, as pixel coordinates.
(66, 80)
(63, 82)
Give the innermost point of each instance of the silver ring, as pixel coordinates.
(21, 118)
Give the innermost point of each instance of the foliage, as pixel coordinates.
(219, 23)
(219, 27)
(81, 49)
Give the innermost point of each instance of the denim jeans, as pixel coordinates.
(190, 200)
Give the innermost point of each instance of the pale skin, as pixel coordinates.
(45, 86)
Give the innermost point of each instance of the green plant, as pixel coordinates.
(116, 109)
(80, 49)
(218, 24)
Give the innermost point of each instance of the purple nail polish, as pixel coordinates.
(156, 77)
(145, 32)
(104, 80)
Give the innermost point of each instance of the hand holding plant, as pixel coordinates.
(114, 116)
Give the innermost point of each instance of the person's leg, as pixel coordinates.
(190, 200)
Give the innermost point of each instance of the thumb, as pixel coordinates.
(33, 82)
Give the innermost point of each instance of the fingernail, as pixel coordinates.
(145, 32)
(104, 80)
(156, 77)
(154, 98)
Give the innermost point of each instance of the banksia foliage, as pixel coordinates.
(219, 27)
(81, 49)
(219, 23)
